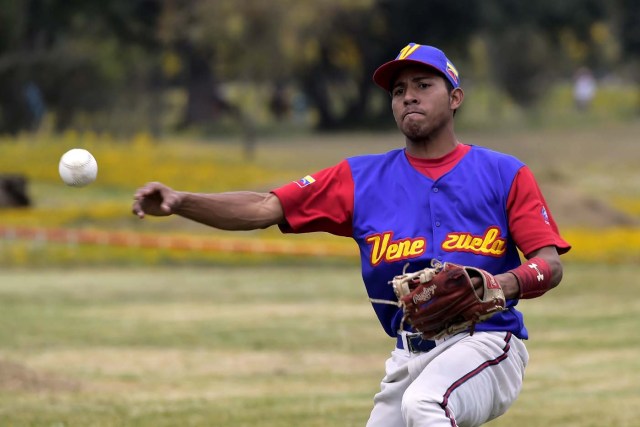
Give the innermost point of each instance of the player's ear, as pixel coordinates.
(455, 98)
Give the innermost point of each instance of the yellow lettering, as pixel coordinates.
(497, 247)
(379, 246)
(465, 241)
(476, 244)
(417, 248)
(405, 247)
(492, 234)
(491, 237)
(384, 248)
(450, 243)
(488, 244)
(393, 252)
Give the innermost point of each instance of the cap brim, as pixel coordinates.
(387, 71)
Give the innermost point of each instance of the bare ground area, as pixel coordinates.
(581, 171)
(16, 377)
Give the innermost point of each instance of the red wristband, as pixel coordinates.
(534, 278)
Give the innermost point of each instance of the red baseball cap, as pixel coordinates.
(414, 53)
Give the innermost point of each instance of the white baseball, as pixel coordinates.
(78, 167)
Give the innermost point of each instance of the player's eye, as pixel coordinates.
(397, 91)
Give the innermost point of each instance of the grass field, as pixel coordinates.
(178, 347)
(105, 336)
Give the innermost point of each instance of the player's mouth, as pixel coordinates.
(411, 113)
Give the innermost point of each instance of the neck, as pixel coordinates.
(431, 148)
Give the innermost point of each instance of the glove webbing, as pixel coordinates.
(397, 303)
(421, 276)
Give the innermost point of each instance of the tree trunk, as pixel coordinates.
(200, 86)
(13, 191)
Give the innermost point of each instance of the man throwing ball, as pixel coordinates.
(440, 225)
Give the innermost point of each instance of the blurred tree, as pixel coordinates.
(318, 47)
(70, 55)
(525, 41)
(629, 23)
(76, 56)
(629, 13)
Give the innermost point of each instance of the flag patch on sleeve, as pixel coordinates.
(307, 180)
(545, 216)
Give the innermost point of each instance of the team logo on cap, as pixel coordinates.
(451, 70)
(408, 50)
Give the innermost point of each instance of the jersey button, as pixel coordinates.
(435, 189)
(437, 223)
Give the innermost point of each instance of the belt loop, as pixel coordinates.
(406, 345)
(413, 342)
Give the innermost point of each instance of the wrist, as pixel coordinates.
(533, 278)
(509, 284)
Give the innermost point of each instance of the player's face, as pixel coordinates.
(421, 102)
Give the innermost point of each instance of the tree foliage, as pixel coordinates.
(74, 57)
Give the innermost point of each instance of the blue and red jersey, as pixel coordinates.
(472, 207)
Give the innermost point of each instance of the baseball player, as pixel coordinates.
(434, 200)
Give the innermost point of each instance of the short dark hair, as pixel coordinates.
(449, 85)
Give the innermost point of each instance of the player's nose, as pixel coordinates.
(409, 101)
(410, 98)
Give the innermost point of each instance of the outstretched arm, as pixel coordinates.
(243, 210)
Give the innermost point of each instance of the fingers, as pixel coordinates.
(478, 286)
(137, 210)
(153, 198)
(148, 190)
(138, 198)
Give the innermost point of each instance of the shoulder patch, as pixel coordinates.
(307, 180)
(545, 216)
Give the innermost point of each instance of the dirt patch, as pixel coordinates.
(17, 377)
(570, 208)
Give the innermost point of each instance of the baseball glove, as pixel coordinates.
(443, 300)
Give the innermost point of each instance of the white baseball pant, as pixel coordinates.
(465, 381)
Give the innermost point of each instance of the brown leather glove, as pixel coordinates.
(444, 300)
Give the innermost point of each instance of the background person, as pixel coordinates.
(584, 89)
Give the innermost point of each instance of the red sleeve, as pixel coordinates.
(319, 202)
(530, 220)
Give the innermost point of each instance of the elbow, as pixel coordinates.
(555, 265)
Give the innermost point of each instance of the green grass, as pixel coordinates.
(180, 347)
(148, 346)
